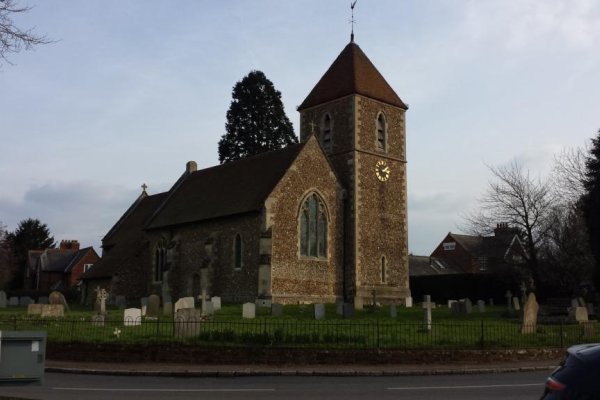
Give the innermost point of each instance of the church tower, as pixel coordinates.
(360, 123)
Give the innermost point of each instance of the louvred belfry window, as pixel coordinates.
(381, 132)
(313, 228)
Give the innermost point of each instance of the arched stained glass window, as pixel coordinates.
(313, 228)
(381, 132)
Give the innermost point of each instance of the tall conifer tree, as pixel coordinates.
(256, 120)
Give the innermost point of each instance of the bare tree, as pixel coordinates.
(13, 39)
(568, 174)
(524, 202)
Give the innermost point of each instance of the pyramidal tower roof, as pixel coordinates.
(352, 73)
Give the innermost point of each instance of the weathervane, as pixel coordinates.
(352, 20)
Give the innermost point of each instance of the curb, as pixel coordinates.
(229, 374)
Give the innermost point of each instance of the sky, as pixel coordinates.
(129, 91)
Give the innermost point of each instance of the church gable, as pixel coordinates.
(316, 273)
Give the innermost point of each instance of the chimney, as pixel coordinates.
(69, 245)
(191, 166)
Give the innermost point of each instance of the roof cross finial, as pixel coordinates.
(144, 187)
(352, 20)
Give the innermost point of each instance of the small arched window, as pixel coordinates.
(326, 132)
(313, 228)
(237, 252)
(383, 270)
(381, 132)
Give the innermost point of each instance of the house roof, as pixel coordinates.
(352, 73)
(126, 237)
(424, 265)
(232, 188)
(58, 260)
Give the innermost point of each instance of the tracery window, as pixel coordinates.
(381, 131)
(313, 228)
(160, 262)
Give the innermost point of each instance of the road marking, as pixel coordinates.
(464, 387)
(160, 390)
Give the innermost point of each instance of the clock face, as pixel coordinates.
(382, 170)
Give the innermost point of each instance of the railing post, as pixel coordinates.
(482, 335)
(378, 334)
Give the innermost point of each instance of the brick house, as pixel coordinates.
(320, 221)
(61, 268)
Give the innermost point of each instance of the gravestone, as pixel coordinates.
(348, 310)
(3, 300)
(188, 322)
(121, 302)
(58, 298)
(153, 306)
(456, 308)
(393, 311)
(53, 310)
(216, 300)
(43, 300)
(358, 303)
(516, 304)
(468, 306)
(574, 302)
(578, 314)
(590, 309)
(530, 314)
(98, 320)
(13, 301)
(319, 311)
(491, 302)
(203, 297)
(408, 302)
(581, 301)
(184, 302)
(339, 308)
(427, 313)
(276, 309)
(144, 304)
(34, 309)
(24, 301)
(168, 308)
(101, 296)
(249, 310)
(208, 308)
(481, 306)
(450, 302)
(132, 317)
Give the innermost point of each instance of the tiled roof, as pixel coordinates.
(126, 238)
(424, 265)
(232, 188)
(352, 73)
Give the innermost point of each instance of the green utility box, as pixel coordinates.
(22, 357)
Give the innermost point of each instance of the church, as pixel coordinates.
(324, 220)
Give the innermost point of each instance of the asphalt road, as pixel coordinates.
(523, 385)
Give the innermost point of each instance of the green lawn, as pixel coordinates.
(369, 328)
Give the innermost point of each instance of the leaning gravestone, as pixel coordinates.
(153, 306)
(58, 298)
(43, 300)
(276, 309)
(24, 301)
(184, 302)
(3, 301)
(319, 311)
(530, 314)
(188, 322)
(578, 314)
(132, 317)
(393, 311)
(208, 308)
(516, 304)
(13, 301)
(98, 320)
(34, 309)
(249, 310)
(144, 304)
(53, 310)
(481, 306)
(348, 310)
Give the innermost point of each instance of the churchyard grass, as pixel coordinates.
(369, 328)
